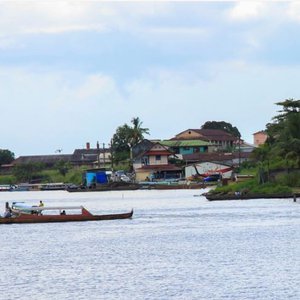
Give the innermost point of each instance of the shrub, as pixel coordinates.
(291, 179)
(251, 186)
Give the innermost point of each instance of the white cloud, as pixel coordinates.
(293, 11)
(187, 31)
(51, 17)
(247, 10)
(19, 17)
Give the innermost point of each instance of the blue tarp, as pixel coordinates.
(90, 178)
(101, 177)
(95, 177)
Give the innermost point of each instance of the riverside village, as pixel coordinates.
(213, 155)
(190, 159)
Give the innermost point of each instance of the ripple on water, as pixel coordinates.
(176, 247)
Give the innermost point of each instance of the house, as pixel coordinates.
(93, 157)
(187, 146)
(151, 161)
(259, 137)
(220, 139)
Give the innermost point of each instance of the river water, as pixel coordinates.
(176, 246)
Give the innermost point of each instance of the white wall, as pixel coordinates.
(207, 167)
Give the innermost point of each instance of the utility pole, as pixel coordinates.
(98, 154)
(104, 155)
(239, 151)
(111, 155)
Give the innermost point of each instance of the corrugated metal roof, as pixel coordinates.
(185, 143)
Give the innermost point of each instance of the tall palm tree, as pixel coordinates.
(137, 132)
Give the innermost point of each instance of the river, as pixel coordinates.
(178, 245)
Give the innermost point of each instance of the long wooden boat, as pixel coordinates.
(224, 197)
(39, 215)
(114, 186)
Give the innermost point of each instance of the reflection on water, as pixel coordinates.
(177, 246)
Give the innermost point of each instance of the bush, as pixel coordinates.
(251, 186)
(291, 179)
(7, 179)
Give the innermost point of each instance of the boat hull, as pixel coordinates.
(221, 197)
(115, 186)
(27, 218)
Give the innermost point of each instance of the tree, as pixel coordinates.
(6, 156)
(137, 132)
(221, 125)
(63, 167)
(125, 138)
(284, 132)
(27, 172)
(261, 155)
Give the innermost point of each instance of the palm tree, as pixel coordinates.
(137, 132)
(125, 138)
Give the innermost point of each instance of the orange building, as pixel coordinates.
(259, 137)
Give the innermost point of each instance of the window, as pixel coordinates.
(158, 157)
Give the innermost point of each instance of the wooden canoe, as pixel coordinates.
(20, 217)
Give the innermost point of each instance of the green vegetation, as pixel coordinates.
(125, 138)
(222, 126)
(28, 172)
(32, 174)
(276, 164)
(251, 186)
(6, 156)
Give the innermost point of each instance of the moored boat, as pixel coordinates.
(34, 214)
(249, 196)
(112, 186)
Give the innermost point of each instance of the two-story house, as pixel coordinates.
(151, 162)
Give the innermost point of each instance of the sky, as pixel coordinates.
(72, 72)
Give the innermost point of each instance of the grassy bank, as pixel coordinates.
(48, 176)
(251, 186)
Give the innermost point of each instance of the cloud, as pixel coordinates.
(293, 11)
(243, 11)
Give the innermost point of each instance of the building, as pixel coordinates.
(208, 168)
(187, 146)
(90, 157)
(151, 162)
(218, 139)
(259, 137)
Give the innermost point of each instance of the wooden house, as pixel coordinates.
(151, 162)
